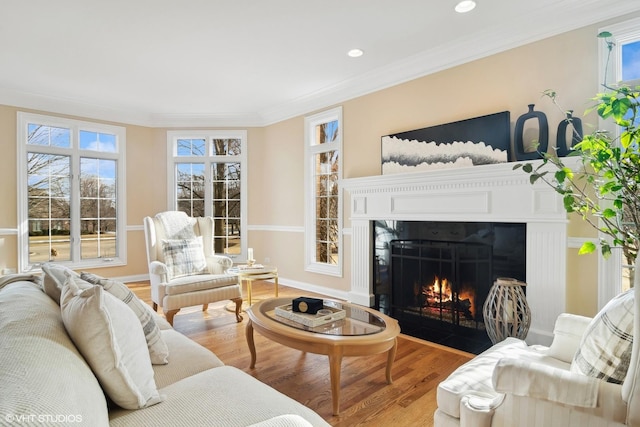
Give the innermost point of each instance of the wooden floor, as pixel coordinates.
(365, 400)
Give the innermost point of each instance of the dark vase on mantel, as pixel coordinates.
(573, 123)
(543, 135)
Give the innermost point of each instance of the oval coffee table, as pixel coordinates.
(362, 332)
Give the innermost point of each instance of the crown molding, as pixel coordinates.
(549, 21)
(479, 45)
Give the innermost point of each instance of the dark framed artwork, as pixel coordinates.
(471, 142)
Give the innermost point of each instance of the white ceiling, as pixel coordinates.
(250, 62)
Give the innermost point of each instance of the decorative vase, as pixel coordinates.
(573, 123)
(543, 135)
(506, 312)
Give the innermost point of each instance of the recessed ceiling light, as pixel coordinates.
(465, 6)
(354, 53)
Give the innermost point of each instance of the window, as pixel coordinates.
(71, 192)
(323, 194)
(629, 66)
(620, 65)
(207, 178)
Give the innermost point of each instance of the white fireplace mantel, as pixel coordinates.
(491, 193)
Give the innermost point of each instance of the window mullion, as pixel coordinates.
(208, 190)
(75, 204)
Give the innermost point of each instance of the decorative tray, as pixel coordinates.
(243, 267)
(311, 320)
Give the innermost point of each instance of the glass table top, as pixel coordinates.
(358, 321)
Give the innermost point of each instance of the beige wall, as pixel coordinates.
(507, 81)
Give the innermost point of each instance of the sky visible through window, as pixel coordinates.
(631, 61)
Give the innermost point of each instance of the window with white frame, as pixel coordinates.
(207, 177)
(71, 192)
(323, 193)
(620, 64)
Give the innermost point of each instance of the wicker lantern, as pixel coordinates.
(506, 312)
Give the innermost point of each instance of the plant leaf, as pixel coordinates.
(587, 248)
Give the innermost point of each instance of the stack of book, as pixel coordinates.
(324, 316)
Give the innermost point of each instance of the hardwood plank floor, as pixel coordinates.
(365, 397)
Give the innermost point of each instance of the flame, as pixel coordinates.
(440, 292)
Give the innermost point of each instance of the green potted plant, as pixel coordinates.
(603, 183)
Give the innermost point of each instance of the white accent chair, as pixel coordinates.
(212, 284)
(513, 384)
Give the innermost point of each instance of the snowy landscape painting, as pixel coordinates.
(471, 142)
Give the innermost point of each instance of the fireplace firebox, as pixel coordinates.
(435, 276)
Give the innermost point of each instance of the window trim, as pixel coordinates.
(310, 122)
(610, 270)
(208, 135)
(23, 120)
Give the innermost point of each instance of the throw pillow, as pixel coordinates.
(605, 348)
(157, 348)
(55, 275)
(184, 257)
(110, 339)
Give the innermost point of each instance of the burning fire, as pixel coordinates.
(440, 295)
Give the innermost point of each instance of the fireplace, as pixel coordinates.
(481, 194)
(435, 276)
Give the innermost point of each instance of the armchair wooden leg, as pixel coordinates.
(238, 302)
(205, 307)
(169, 315)
(155, 307)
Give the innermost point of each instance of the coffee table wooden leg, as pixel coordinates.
(391, 356)
(335, 364)
(276, 280)
(250, 342)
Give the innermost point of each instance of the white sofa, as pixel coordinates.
(513, 384)
(45, 380)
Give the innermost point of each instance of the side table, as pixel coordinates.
(256, 272)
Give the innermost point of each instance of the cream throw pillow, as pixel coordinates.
(55, 276)
(184, 257)
(157, 348)
(110, 338)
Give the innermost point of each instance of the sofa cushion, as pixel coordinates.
(201, 282)
(157, 348)
(605, 348)
(109, 336)
(184, 257)
(187, 358)
(232, 398)
(41, 371)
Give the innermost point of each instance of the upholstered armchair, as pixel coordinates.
(588, 377)
(183, 269)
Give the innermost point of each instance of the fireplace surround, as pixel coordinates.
(490, 193)
(434, 277)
